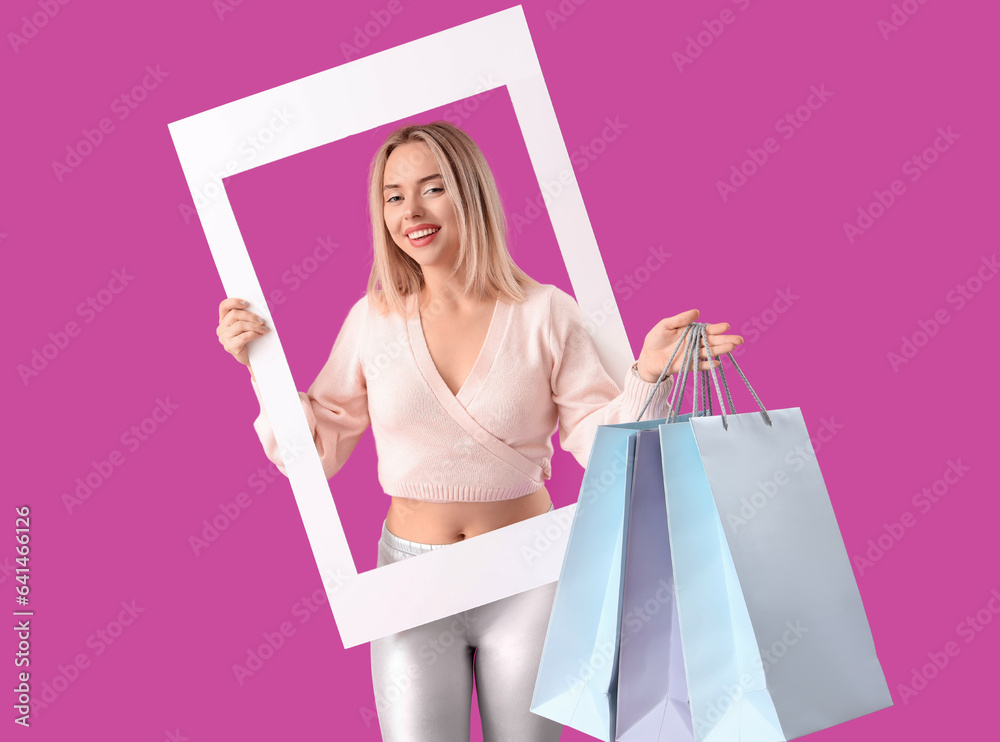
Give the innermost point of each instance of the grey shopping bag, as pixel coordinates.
(775, 639)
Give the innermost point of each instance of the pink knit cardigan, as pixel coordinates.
(537, 372)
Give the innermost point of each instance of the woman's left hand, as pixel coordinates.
(666, 334)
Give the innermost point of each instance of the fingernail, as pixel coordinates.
(259, 319)
(245, 303)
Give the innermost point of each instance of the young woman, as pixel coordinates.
(492, 364)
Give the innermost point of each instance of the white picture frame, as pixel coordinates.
(489, 52)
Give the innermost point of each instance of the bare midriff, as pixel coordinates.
(447, 522)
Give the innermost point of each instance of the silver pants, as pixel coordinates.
(423, 676)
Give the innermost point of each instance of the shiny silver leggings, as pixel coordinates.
(423, 676)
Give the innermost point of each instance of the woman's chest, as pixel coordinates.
(455, 344)
(510, 392)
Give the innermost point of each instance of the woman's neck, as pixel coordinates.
(449, 296)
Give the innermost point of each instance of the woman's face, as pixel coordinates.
(415, 203)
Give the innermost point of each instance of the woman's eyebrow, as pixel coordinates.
(426, 177)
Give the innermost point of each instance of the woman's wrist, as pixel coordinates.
(645, 375)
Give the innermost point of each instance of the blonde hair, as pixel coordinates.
(489, 269)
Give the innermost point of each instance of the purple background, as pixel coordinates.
(893, 423)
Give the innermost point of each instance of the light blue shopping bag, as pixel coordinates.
(578, 680)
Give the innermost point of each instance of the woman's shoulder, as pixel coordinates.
(375, 310)
(562, 305)
(548, 306)
(535, 295)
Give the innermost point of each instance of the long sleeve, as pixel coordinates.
(336, 405)
(584, 393)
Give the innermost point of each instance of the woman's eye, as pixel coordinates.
(392, 199)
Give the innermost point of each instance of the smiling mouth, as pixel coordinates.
(421, 233)
(423, 237)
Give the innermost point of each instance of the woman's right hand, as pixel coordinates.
(237, 327)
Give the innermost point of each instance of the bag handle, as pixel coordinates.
(680, 382)
(718, 391)
(680, 385)
(706, 399)
(663, 373)
(692, 338)
(763, 412)
(707, 377)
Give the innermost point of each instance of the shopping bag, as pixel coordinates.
(652, 699)
(652, 703)
(673, 626)
(577, 681)
(775, 639)
(575, 684)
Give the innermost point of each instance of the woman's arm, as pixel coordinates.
(336, 405)
(586, 396)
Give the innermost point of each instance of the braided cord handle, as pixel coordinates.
(694, 335)
(663, 374)
(680, 385)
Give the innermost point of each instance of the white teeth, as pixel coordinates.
(422, 233)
